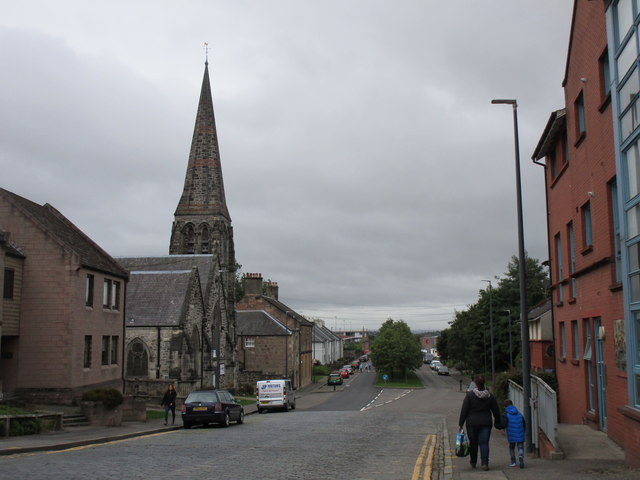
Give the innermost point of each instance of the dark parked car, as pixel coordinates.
(211, 406)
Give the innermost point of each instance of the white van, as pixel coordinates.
(275, 394)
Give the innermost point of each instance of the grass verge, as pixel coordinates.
(399, 381)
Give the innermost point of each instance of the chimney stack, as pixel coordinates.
(253, 284)
(271, 289)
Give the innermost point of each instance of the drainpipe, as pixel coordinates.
(124, 328)
(158, 356)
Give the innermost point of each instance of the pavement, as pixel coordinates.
(587, 453)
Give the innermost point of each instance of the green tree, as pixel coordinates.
(396, 350)
(466, 343)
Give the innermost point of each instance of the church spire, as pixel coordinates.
(203, 192)
(202, 208)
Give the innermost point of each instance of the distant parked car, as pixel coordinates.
(344, 373)
(443, 370)
(350, 368)
(334, 379)
(435, 364)
(211, 406)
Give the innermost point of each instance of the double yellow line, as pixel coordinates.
(425, 459)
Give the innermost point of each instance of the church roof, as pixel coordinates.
(258, 323)
(169, 263)
(157, 298)
(203, 193)
(66, 234)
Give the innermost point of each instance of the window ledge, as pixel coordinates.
(559, 304)
(587, 250)
(606, 101)
(562, 360)
(630, 412)
(615, 287)
(572, 300)
(564, 166)
(580, 139)
(575, 361)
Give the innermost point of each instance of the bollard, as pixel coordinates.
(460, 384)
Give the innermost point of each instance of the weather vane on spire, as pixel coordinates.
(206, 53)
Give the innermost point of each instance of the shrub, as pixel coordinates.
(24, 426)
(110, 397)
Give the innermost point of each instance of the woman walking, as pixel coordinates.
(169, 403)
(478, 407)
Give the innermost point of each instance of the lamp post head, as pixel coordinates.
(497, 101)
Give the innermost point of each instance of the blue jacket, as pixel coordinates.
(514, 424)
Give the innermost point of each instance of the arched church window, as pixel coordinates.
(204, 243)
(189, 239)
(137, 360)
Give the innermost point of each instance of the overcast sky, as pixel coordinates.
(365, 169)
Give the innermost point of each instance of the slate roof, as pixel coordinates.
(171, 263)
(258, 323)
(65, 233)
(157, 298)
(539, 309)
(285, 309)
(323, 334)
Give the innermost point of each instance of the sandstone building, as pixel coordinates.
(288, 346)
(62, 307)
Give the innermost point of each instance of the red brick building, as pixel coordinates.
(578, 149)
(62, 309)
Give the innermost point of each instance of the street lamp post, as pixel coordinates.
(524, 326)
(493, 362)
(510, 344)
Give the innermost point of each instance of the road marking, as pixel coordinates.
(430, 444)
(385, 402)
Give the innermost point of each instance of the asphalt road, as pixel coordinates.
(361, 432)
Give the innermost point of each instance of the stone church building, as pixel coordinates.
(180, 319)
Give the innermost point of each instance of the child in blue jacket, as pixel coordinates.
(513, 422)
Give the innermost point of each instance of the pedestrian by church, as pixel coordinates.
(180, 320)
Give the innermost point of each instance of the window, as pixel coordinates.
(605, 74)
(632, 167)
(250, 342)
(87, 351)
(588, 365)
(559, 273)
(576, 339)
(88, 295)
(9, 279)
(572, 259)
(580, 118)
(627, 56)
(105, 350)
(114, 350)
(617, 242)
(204, 235)
(563, 341)
(106, 293)
(115, 295)
(624, 19)
(587, 232)
(137, 360)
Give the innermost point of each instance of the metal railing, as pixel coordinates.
(544, 408)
